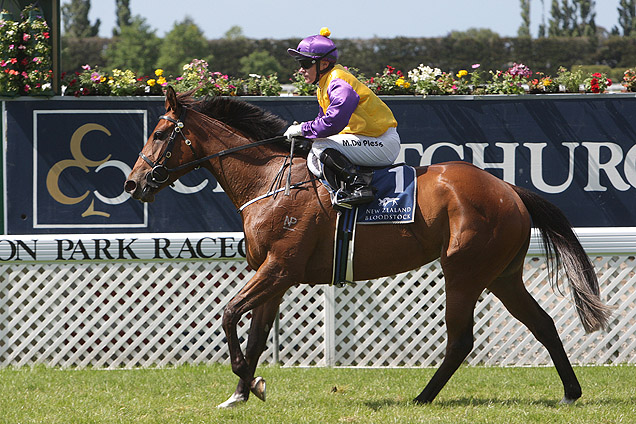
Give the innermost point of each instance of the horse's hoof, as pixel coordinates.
(258, 388)
(567, 401)
(233, 401)
(419, 401)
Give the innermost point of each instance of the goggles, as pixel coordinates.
(306, 63)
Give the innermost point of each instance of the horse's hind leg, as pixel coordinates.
(459, 327)
(262, 319)
(513, 294)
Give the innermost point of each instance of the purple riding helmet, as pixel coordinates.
(313, 49)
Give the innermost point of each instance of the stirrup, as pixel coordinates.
(358, 196)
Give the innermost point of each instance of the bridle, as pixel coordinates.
(160, 173)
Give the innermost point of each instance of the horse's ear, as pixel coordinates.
(171, 101)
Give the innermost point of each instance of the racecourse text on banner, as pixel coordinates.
(111, 247)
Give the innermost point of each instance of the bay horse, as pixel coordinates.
(475, 223)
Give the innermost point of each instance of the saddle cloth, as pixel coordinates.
(395, 200)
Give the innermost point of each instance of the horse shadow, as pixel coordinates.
(379, 404)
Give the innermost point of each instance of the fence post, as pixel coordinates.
(276, 337)
(330, 326)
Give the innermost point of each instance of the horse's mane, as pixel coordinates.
(251, 120)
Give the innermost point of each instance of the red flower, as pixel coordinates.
(594, 86)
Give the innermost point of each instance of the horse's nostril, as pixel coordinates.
(130, 186)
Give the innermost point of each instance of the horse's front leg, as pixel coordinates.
(263, 317)
(269, 283)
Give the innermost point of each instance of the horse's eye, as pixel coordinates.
(158, 135)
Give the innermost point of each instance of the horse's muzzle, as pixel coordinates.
(144, 192)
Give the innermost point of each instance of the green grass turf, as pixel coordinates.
(189, 394)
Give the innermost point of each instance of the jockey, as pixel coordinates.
(353, 126)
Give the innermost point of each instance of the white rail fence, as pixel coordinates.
(158, 313)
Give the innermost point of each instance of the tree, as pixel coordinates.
(524, 29)
(574, 18)
(554, 23)
(181, 45)
(626, 18)
(261, 63)
(136, 48)
(482, 35)
(586, 25)
(234, 33)
(76, 22)
(77, 52)
(124, 17)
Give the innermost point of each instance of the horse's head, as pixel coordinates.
(166, 149)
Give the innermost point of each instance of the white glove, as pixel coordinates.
(295, 130)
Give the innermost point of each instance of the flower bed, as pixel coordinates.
(25, 69)
(196, 76)
(423, 80)
(25, 54)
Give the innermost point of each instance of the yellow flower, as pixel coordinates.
(546, 82)
(462, 73)
(159, 72)
(324, 31)
(161, 80)
(151, 82)
(102, 79)
(402, 83)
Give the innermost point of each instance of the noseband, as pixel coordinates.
(160, 173)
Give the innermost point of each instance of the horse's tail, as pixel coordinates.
(562, 247)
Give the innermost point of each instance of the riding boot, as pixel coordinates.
(356, 185)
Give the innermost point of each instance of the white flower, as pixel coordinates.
(424, 73)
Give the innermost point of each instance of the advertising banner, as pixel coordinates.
(66, 160)
(121, 247)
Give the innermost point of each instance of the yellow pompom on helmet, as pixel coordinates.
(317, 47)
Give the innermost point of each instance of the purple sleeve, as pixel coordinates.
(343, 100)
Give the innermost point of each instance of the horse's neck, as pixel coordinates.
(246, 174)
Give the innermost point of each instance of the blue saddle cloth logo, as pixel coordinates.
(395, 199)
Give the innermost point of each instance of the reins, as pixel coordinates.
(160, 173)
(227, 152)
